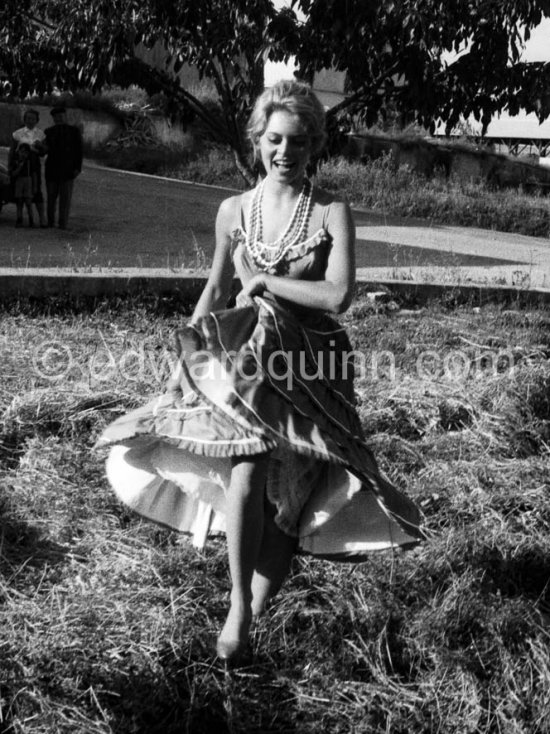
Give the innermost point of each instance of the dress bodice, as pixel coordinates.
(306, 260)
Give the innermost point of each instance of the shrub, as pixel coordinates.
(214, 165)
(379, 186)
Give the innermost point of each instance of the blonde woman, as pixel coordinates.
(257, 434)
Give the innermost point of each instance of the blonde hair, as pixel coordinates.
(297, 98)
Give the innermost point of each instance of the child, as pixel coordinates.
(30, 133)
(24, 179)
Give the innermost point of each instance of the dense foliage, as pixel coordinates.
(421, 59)
(428, 59)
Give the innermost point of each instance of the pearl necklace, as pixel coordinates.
(268, 255)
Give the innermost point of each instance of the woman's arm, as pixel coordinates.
(335, 291)
(218, 286)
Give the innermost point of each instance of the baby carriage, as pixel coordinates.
(6, 187)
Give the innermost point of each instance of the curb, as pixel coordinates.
(187, 287)
(415, 293)
(91, 287)
(91, 163)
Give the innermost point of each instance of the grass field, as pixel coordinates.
(108, 622)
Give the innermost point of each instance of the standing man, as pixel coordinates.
(64, 162)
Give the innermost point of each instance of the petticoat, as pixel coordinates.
(253, 380)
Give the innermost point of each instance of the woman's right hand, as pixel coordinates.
(255, 287)
(243, 300)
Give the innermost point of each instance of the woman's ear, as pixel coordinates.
(256, 155)
(257, 164)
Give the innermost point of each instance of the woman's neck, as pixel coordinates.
(281, 190)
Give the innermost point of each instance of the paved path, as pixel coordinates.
(125, 221)
(440, 253)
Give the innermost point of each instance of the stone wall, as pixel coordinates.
(462, 162)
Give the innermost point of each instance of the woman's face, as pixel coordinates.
(285, 148)
(30, 120)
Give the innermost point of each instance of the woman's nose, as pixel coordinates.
(284, 146)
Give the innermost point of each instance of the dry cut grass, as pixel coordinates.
(108, 623)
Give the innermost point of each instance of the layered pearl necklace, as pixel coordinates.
(268, 255)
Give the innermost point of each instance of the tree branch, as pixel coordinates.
(356, 96)
(38, 21)
(228, 106)
(173, 88)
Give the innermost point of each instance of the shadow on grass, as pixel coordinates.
(10, 451)
(23, 546)
(200, 698)
(526, 574)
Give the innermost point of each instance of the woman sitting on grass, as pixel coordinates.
(258, 434)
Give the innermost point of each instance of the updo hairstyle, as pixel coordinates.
(291, 96)
(31, 111)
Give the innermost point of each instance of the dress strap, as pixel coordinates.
(242, 221)
(326, 210)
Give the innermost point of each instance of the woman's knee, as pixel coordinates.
(249, 474)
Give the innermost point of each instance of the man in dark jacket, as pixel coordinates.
(63, 144)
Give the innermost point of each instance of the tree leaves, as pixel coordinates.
(426, 60)
(394, 55)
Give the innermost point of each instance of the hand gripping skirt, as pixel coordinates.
(254, 380)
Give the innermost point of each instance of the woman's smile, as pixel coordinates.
(285, 147)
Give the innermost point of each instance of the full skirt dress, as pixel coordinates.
(252, 380)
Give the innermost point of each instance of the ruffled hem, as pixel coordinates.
(229, 398)
(341, 521)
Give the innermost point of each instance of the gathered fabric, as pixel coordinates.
(253, 380)
(269, 378)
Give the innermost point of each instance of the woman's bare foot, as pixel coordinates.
(233, 639)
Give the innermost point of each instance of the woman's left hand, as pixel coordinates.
(255, 287)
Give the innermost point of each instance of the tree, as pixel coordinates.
(25, 54)
(428, 59)
(90, 44)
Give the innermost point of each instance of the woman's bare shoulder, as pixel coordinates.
(233, 205)
(329, 204)
(325, 198)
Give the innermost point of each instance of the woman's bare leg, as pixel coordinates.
(273, 564)
(244, 530)
(28, 207)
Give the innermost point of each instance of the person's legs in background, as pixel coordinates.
(28, 207)
(19, 210)
(52, 192)
(39, 204)
(23, 199)
(65, 197)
